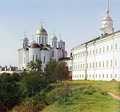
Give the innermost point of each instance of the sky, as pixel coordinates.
(77, 21)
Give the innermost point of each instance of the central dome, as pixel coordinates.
(41, 31)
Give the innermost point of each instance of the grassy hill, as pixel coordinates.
(83, 96)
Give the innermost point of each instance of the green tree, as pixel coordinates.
(50, 69)
(31, 83)
(35, 66)
(9, 89)
(62, 71)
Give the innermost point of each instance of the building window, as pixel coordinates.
(107, 63)
(93, 65)
(115, 46)
(111, 75)
(115, 75)
(111, 63)
(36, 57)
(96, 75)
(107, 75)
(103, 75)
(115, 62)
(99, 64)
(44, 60)
(107, 48)
(96, 64)
(90, 76)
(33, 57)
(93, 51)
(99, 50)
(90, 52)
(52, 53)
(42, 40)
(111, 47)
(99, 75)
(103, 63)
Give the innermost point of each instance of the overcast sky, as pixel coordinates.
(77, 21)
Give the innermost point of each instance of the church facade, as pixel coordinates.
(98, 59)
(40, 49)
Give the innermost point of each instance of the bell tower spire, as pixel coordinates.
(107, 22)
(107, 8)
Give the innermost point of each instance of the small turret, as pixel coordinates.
(53, 41)
(25, 41)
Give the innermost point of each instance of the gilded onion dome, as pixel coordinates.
(41, 31)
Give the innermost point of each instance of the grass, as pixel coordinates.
(83, 96)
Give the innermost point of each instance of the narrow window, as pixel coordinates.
(111, 75)
(36, 58)
(115, 46)
(107, 63)
(99, 75)
(90, 52)
(33, 57)
(93, 65)
(93, 51)
(103, 75)
(103, 63)
(99, 50)
(99, 64)
(52, 53)
(107, 75)
(44, 59)
(111, 47)
(107, 48)
(111, 63)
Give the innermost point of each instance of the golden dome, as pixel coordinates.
(41, 31)
(107, 18)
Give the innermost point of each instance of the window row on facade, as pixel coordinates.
(100, 64)
(92, 76)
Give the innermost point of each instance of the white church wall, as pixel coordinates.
(34, 54)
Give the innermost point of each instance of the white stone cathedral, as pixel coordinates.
(40, 49)
(98, 59)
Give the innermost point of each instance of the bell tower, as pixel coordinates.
(107, 22)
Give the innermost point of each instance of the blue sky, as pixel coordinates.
(76, 20)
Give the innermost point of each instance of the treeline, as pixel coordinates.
(16, 89)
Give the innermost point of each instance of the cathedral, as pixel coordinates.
(39, 49)
(99, 58)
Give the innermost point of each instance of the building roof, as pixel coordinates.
(35, 45)
(41, 31)
(64, 58)
(97, 38)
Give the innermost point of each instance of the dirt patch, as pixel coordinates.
(113, 80)
(114, 96)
